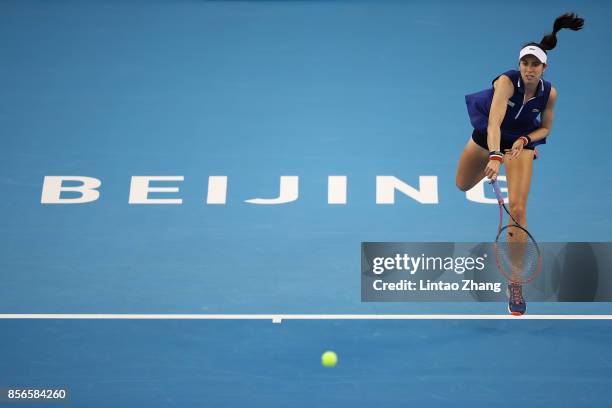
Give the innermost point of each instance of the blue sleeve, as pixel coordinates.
(512, 74)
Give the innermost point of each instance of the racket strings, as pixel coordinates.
(517, 254)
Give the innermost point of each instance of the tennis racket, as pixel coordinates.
(517, 253)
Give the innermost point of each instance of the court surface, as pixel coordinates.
(254, 91)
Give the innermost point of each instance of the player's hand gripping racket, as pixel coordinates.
(517, 253)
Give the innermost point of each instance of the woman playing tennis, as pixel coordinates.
(510, 120)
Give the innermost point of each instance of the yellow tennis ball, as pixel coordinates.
(329, 359)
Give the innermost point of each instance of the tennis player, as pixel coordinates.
(510, 120)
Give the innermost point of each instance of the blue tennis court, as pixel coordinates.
(235, 155)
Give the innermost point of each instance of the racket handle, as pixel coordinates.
(498, 194)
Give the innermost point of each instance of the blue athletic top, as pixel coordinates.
(520, 119)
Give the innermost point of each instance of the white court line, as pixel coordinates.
(277, 318)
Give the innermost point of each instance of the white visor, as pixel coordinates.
(535, 51)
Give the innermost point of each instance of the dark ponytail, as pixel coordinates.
(567, 20)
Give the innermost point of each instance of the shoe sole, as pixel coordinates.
(515, 313)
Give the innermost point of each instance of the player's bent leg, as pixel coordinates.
(472, 163)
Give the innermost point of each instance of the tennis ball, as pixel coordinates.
(329, 359)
